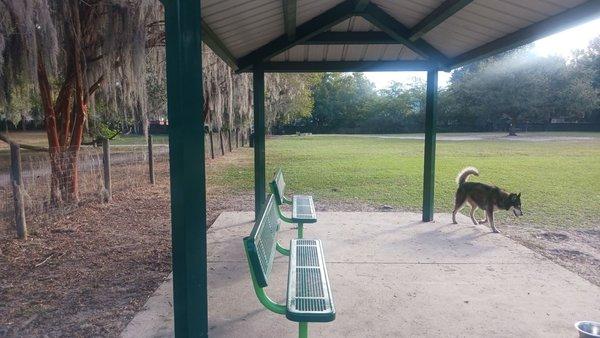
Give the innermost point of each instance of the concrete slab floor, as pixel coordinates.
(392, 276)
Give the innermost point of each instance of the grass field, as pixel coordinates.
(559, 177)
(38, 138)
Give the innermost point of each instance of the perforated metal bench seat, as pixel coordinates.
(309, 296)
(303, 209)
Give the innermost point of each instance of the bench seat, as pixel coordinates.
(303, 209)
(308, 293)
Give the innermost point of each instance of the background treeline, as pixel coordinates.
(518, 88)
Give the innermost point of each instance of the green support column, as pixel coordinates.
(186, 153)
(259, 139)
(429, 167)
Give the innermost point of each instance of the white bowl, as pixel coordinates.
(588, 329)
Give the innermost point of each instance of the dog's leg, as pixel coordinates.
(472, 214)
(459, 202)
(456, 210)
(483, 221)
(490, 216)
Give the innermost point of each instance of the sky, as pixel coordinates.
(558, 44)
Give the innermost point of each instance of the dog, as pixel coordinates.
(486, 197)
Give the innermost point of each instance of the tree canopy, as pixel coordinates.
(518, 88)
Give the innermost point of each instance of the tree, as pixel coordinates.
(97, 42)
(342, 102)
(288, 98)
(519, 86)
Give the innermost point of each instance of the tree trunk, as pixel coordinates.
(66, 118)
(512, 129)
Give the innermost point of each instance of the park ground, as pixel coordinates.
(89, 273)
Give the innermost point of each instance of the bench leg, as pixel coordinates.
(303, 330)
(282, 250)
(300, 230)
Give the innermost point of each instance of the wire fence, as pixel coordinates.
(127, 167)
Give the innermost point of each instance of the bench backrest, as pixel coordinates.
(278, 187)
(260, 245)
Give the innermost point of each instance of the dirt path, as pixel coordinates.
(89, 273)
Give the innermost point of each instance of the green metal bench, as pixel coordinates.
(303, 207)
(309, 296)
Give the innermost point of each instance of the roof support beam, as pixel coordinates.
(439, 15)
(429, 153)
(187, 170)
(307, 30)
(211, 40)
(401, 33)
(258, 85)
(361, 5)
(351, 38)
(574, 16)
(346, 66)
(289, 18)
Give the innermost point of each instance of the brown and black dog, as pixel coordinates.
(486, 197)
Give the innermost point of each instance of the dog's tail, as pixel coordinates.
(465, 173)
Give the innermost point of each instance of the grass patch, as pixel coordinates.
(559, 180)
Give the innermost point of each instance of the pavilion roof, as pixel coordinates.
(354, 35)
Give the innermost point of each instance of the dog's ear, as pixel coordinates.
(519, 195)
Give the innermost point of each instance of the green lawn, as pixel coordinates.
(559, 180)
(38, 138)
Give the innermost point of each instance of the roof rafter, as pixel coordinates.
(439, 15)
(351, 38)
(585, 12)
(361, 5)
(401, 33)
(346, 66)
(312, 27)
(211, 40)
(289, 18)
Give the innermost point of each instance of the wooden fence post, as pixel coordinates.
(243, 138)
(107, 193)
(212, 149)
(221, 141)
(229, 139)
(150, 159)
(17, 184)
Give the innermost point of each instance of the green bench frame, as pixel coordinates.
(309, 296)
(303, 207)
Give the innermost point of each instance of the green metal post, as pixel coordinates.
(186, 153)
(303, 330)
(259, 140)
(300, 230)
(429, 166)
